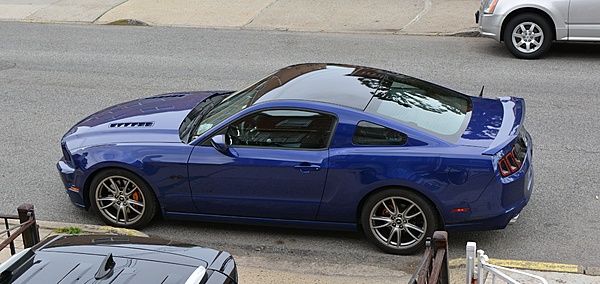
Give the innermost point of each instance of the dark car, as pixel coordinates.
(324, 146)
(117, 259)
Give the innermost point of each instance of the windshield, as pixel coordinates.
(228, 107)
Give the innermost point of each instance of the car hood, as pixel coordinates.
(153, 119)
(493, 122)
(118, 259)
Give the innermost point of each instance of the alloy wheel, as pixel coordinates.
(120, 200)
(398, 222)
(527, 37)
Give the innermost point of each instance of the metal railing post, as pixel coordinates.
(471, 248)
(434, 266)
(440, 247)
(31, 235)
(11, 244)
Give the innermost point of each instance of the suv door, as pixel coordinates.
(584, 20)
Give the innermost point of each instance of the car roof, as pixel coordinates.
(346, 85)
(422, 105)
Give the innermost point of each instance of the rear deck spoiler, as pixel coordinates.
(514, 117)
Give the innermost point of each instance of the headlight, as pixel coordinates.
(488, 6)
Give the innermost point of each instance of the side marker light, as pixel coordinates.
(460, 210)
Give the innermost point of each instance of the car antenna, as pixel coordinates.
(106, 267)
(481, 93)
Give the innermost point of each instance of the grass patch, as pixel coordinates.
(68, 230)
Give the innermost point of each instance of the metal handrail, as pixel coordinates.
(7, 231)
(27, 228)
(478, 273)
(434, 265)
(19, 230)
(422, 271)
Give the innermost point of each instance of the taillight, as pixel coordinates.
(512, 162)
(509, 164)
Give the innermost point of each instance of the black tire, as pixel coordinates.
(401, 214)
(122, 199)
(528, 36)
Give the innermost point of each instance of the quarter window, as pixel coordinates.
(283, 129)
(368, 133)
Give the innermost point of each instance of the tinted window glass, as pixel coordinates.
(367, 133)
(282, 129)
(424, 106)
(228, 107)
(346, 86)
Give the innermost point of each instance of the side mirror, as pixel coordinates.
(219, 142)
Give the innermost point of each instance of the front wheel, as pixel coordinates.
(398, 221)
(528, 36)
(122, 199)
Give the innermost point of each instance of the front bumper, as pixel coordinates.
(67, 175)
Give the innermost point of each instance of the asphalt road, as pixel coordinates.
(51, 76)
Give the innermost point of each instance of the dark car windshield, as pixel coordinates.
(229, 106)
(430, 108)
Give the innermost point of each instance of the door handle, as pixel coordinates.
(306, 167)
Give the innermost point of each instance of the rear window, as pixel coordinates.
(424, 106)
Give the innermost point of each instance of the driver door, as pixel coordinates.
(274, 166)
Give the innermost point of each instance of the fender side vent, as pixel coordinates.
(132, 124)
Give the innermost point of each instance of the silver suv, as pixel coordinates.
(528, 27)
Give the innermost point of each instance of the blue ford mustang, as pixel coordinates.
(325, 146)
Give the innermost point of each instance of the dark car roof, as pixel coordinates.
(425, 106)
(78, 259)
(346, 85)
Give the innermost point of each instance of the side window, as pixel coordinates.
(283, 129)
(368, 133)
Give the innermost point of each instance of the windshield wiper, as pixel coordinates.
(203, 108)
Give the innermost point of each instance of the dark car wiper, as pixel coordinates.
(185, 135)
(199, 112)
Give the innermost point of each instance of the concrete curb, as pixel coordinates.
(135, 22)
(533, 266)
(51, 227)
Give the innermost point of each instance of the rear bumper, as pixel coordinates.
(490, 25)
(506, 198)
(491, 223)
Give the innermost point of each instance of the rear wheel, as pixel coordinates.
(122, 199)
(398, 221)
(528, 36)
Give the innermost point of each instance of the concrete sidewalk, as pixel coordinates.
(428, 17)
